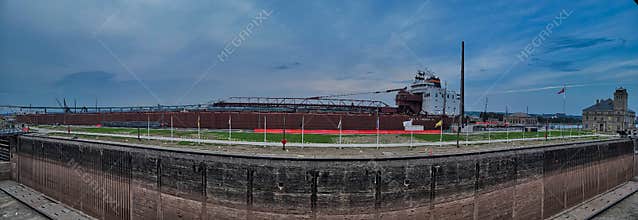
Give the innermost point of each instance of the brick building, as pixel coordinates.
(609, 115)
(521, 118)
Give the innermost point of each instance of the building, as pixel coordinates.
(609, 115)
(520, 118)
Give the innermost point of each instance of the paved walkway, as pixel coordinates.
(45, 206)
(11, 208)
(598, 204)
(625, 209)
(277, 144)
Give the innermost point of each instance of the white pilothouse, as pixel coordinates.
(436, 100)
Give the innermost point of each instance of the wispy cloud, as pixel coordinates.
(287, 66)
(564, 43)
(554, 65)
(553, 87)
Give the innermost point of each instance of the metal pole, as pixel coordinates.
(564, 99)
(230, 127)
(507, 132)
(546, 129)
(378, 125)
(148, 127)
(489, 134)
(264, 130)
(538, 133)
(507, 126)
(283, 141)
(171, 126)
(340, 126)
(411, 137)
(462, 104)
(441, 138)
(302, 130)
(467, 136)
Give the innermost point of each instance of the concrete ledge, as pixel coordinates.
(598, 204)
(277, 144)
(44, 205)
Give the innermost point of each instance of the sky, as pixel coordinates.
(119, 53)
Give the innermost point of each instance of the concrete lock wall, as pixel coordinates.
(118, 181)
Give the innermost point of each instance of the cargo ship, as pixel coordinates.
(422, 103)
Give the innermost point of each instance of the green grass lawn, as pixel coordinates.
(496, 135)
(217, 135)
(308, 138)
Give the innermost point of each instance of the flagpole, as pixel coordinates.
(489, 134)
(265, 131)
(302, 130)
(340, 125)
(148, 127)
(283, 139)
(230, 127)
(570, 131)
(411, 137)
(507, 127)
(378, 129)
(564, 99)
(171, 126)
(441, 135)
(199, 134)
(467, 135)
(549, 129)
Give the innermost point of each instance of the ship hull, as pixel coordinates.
(239, 120)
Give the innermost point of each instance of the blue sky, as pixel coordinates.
(167, 52)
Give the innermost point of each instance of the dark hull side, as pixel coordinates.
(239, 120)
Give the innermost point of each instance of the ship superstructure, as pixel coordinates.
(425, 96)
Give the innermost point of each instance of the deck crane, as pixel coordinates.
(357, 93)
(63, 106)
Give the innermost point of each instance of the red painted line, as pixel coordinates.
(298, 131)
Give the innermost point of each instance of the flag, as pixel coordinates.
(561, 91)
(439, 124)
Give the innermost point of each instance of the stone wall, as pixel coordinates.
(118, 181)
